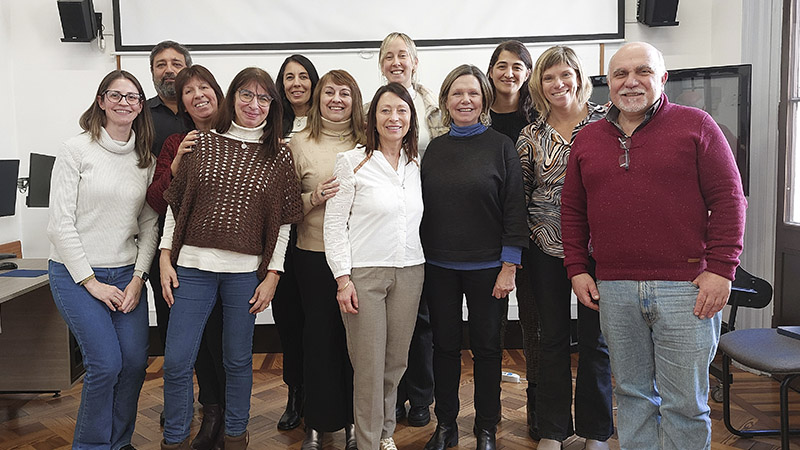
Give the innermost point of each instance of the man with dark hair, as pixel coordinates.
(166, 60)
(654, 194)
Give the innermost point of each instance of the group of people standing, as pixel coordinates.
(368, 223)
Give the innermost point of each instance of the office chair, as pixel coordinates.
(747, 291)
(762, 349)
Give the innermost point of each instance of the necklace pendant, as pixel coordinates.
(244, 146)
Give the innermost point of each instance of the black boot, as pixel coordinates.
(313, 440)
(350, 437)
(209, 428)
(486, 438)
(445, 436)
(533, 428)
(294, 409)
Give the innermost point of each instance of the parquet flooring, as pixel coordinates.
(42, 422)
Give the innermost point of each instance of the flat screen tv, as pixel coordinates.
(9, 172)
(723, 92)
(41, 168)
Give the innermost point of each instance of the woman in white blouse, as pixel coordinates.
(372, 244)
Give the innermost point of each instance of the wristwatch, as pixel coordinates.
(141, 274)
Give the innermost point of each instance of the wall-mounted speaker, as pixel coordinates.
(78, 20)
(657, 13)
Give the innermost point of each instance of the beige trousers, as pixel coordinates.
(378, 338)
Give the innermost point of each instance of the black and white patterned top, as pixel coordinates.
(544, 153)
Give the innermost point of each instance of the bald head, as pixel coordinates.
(636, 77)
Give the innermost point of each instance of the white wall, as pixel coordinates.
(50, 83)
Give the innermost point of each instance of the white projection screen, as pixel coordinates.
(354, 24)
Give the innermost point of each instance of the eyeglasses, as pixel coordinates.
(248, 96)
(625, 158)
(117, 96)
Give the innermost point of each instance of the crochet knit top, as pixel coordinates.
(227, 196)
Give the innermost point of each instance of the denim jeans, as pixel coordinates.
(114, 348)
(194, 299)
(660, 352)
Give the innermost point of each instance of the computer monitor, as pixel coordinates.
(723, 92)
(9, 172)
(41, 168)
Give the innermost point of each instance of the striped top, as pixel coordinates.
(544, 154)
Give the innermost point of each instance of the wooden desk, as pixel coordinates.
(37, 351)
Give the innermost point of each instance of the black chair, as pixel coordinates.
(762, 349)
(747, 291)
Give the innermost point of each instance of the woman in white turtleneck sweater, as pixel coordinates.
(97, 265)
(334, 126)
(225, 233)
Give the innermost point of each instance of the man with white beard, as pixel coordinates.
(656, 187)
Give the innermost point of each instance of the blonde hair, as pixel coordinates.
(554, 56)
(486, 92)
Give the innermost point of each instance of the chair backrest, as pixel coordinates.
(747, 291)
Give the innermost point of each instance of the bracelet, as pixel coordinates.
(344, 287)
(86, 280)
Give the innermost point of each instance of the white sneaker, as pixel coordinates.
(388, 444)
(549, 444)
(592, 444)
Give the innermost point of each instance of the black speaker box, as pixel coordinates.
(77, 20)
(657, 13)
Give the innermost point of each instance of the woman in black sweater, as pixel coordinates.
(473, 231)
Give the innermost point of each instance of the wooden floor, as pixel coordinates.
(42, 422)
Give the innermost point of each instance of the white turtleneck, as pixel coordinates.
(97, 207)
(225, 261)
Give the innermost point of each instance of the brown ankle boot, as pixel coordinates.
(237, 442)
(179, 446)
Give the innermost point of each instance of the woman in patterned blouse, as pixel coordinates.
(560, 90)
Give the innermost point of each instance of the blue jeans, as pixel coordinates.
(194, 299)
(114, 348)
(660, 352)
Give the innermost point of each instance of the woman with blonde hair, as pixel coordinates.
(335, 124)
(473, 231)
(560, 90)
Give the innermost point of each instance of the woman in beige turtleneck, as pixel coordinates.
(334, 126)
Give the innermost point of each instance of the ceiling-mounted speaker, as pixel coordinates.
(78, 21)
(657, 13)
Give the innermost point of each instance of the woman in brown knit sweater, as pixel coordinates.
(335, 124)
(225, 233)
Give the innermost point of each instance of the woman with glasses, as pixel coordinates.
(473, 231)
(335, 125)
(226, 231)
(296, 81)
(97, 264)
(199, 96)
(560, 90)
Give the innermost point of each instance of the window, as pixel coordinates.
(793, 115)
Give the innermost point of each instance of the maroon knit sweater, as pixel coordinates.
(227, 196)
(677, 211)
(163, 174)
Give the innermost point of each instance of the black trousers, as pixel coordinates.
(416, 386)
(208, 366)
(287, 310)
(445, 289)
(593, 408)
(327, 373)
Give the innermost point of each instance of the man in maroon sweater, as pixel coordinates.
(653, 193)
